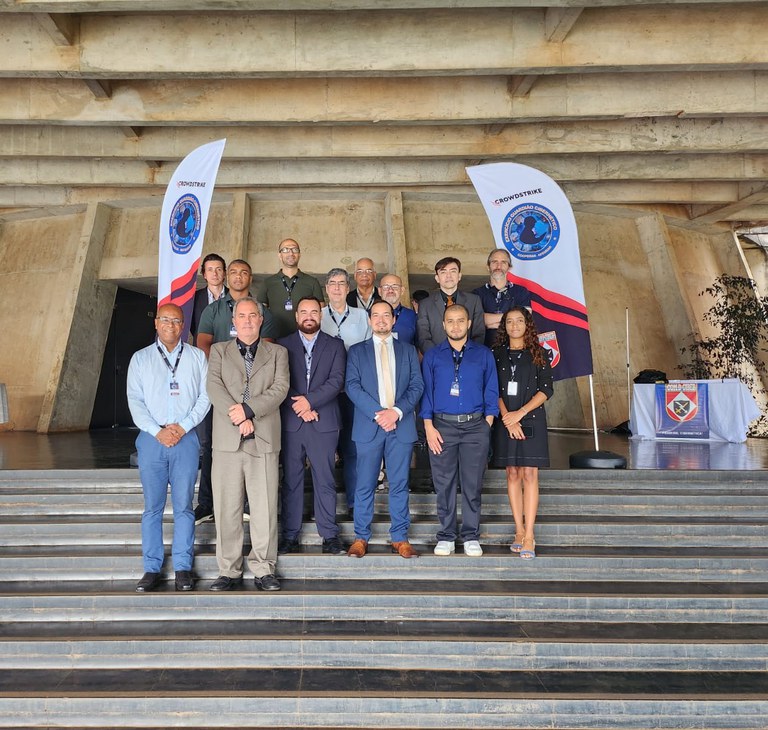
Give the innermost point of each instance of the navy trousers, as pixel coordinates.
(319, 447)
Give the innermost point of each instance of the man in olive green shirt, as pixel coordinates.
(282, 291)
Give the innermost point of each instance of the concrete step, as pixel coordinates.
(556, 530)
(241, 700)
(550, 564)
(722, 505)
(126, 481)
(371, 654)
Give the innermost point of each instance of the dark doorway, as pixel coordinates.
(132, 328)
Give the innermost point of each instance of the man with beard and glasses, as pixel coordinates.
(461, 399)
(310, 427)
(391, 290)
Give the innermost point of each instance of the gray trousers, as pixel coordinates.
(235, 474)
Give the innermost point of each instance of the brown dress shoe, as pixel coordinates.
(404, 549)
(358, 548)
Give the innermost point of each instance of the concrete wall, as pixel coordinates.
(37, 257)
(640, 260)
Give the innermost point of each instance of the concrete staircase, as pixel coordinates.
(647, 607)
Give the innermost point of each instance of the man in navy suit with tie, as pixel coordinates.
(384, 383)
(310, 427)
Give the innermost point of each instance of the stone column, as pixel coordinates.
(84, 320)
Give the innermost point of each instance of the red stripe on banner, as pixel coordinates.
(550, 296)
(561, 317)
(182, 288)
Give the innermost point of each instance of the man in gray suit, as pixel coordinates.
(429, 323)
(247, 381)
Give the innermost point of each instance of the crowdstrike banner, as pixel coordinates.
(182, 226)
(533, 220)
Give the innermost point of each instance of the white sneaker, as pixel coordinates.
(472, 549)
(445, 547)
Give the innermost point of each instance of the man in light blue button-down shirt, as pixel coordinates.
(167, 398)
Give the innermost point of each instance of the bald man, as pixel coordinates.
(167, 398)
(365, 294)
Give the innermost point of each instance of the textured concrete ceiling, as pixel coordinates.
(623, 103)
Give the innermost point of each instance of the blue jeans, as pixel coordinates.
(160, 466)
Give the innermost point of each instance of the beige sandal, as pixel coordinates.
(529, 549)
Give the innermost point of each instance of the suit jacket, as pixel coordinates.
(326, 380)
(362, 387)
(268, 386)
(429, 324)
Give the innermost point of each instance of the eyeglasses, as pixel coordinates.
(337, 283)
(365, 271)
(390, 287)
(289, 250)
(175, 321)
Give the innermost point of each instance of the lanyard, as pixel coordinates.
(457, 358)
(338, 324)
(167, 362)
(369, 306)
(289, 289)
(512, 367)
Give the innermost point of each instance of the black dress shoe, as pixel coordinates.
(225, 583)
(334, 546)
(184, 580)
(203, 514)
(287, 546)
(148, 582)
(267, 583)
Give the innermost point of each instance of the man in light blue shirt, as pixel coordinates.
(351, 325)
(167, 399)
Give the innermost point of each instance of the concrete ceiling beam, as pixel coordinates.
(395, 172)
(728, 135)
(503, 41)
(457, 100)
(558, 23)
(237, 6)
(63, 29)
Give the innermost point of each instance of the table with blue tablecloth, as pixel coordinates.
(731, 409)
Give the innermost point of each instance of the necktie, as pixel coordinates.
(386, 374)
(449, 301)
(248, 368)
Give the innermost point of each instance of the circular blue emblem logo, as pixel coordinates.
(530, 231)
(184, 225)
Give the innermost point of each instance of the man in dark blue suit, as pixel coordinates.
(384, 383)
(310, 427)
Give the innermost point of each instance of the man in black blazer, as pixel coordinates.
(310, 427)
(213, 270)
(429, 323)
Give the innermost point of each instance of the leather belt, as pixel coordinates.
(458, 418)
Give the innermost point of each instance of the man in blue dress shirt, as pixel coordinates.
(167, 398)
(461, 399)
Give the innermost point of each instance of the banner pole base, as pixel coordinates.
(597, 460)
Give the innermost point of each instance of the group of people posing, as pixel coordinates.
(295, 375)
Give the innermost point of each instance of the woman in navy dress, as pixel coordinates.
(520, 437)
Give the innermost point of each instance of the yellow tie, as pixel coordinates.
(449, 301)
(386, 374)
